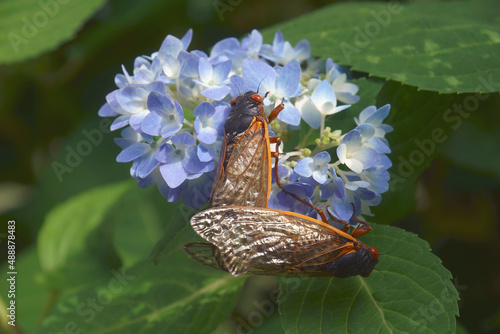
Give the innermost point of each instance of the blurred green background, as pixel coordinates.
(47, 101)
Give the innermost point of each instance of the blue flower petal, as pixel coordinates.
(288, 79)
(366, 130)
(107, 111)
(120, 122)
(290, 114)
(193, 164)
(170, 129)
(367, 156)
(159, 103)
(171, 46)
(221, 70)
(324, 93)
(346, 97)
(207, 135)
(183, 139)
(133, 152)
(205, 70)
(255, 73)
(204, 110)
(146, 165)
(379, 145)
(151, 124)
(310, 114)
(320, 176)
(352, 140)
(166, 153)
(384, 161)
(302, 50)
(254, 42)
(322, 158)
(304, 167)
(341, 209)
(207, 152)
(216, 93)
(186, 39)
(173, 173)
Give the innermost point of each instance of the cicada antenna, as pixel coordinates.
(258, 86)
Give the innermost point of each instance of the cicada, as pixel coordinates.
(260, 241)
(244, 173)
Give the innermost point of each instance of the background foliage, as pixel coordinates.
(88, 233)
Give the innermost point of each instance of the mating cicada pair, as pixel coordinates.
(244, 235)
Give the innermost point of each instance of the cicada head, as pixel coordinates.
(360, 262)
(249, 103)
(244, 109)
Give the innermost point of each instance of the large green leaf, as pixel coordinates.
(33, 27)
(176, 296)
(68, 226)
(100, 229)
(443, 46)
(411, 293)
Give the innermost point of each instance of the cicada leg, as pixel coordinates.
(345, 224)
(362, 229)
(275, 154)
(358, 231)
(274, 113)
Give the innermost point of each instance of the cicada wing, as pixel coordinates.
(206, 254)
(245, 173)
(215, 195)
(253, 238)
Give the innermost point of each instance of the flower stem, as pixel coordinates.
(302, 144)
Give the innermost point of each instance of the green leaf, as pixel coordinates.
(443, 46)
(177, 233)
(139, 222)
(68, 226)
(176, 296)
(33, 27)
(421, 125)
(411, 293)
(31, 294)
(270, 326)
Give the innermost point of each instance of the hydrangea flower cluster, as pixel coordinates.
(172, 108)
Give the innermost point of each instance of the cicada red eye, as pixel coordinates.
(232, 101)
(374, 253)
(257, 98)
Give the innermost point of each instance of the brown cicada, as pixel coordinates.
(258, 241)
(244, 174)
(247, 238)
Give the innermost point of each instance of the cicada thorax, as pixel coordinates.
(244, 173)
(261, 241)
